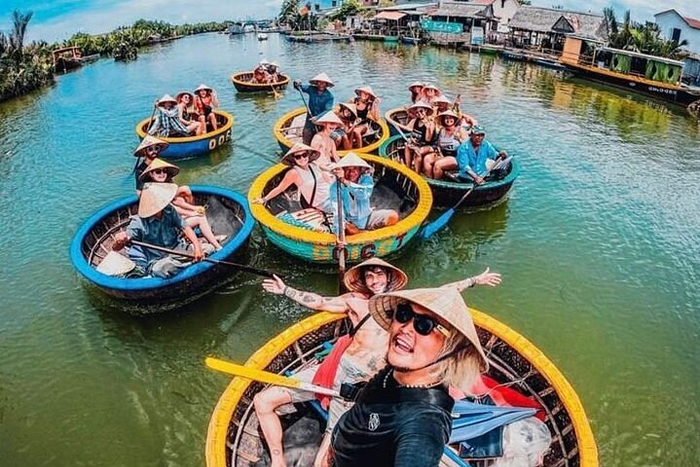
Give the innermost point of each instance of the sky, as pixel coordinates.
(56, 20)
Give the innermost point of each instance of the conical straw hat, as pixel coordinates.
(149, 141)
(166, 98)
(179, 95)
(322, 77)
(444, 302)
(115, 264)
(367, 89)
(431, 86)
(352, 160)
(442, 98)
(297, 148)
(415, 84)
(171, 169)
(155, 197)
(355, 282)
(447, 113)
(351, 107)
(202, 86)
(423, 105)
(329, 117)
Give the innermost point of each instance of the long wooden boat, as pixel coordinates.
(186, 147)
(228, 214)
(396, 188)
(317, 37)
(288, 130)
(447, 193)
(243, 83)
(233, 438)
(396, 117)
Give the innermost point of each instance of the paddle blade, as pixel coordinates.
(430, 229)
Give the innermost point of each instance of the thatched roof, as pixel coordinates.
(463, 10)
(529, 18)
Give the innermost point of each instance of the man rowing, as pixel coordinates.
(473, 158)
(320, 102)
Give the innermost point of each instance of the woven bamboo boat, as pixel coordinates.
(193, 146)
(228, 214)
(288, 130)
(447, 193)
(396, 187)
(243, 82)
(233, 438)
(394, 117)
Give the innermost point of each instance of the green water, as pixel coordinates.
(598, 246)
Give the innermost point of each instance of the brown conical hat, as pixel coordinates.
(149, 141)
(297, 148)
(166, 98)
(367, 89)
(329, 117)
(355, 282)
(155, 197)
(447, 113)
(322, 77)
(171, 169)
(444, 302)
(115, 264)
(352, 160)
(351, 107)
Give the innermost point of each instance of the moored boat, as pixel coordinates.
(396, 188)
(193, 146)
(446, 193)
(233, 438)
(288, 130)
(228, 214)
(243, 82)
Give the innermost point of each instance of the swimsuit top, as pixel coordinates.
(419, 133)
(314, 190)
(448, 144)
(362, 114)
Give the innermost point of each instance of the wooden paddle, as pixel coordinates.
(272, 86)
(340, 238)
(242, 267)
(266, 377)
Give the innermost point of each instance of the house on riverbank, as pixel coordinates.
(677, 27)
(455, 23)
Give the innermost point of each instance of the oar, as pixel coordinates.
(301, 93)
(266, 377)
(272, 86)
(242, 267)
(340, 238)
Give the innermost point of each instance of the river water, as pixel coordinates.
(598, 245)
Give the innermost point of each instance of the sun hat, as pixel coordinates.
(115, 264)
(431, 86)
(478, 130)
(171, 169)
(202, 86)
(443, 99)
(415, 84)
(423, 105)
(180, 94)
(352, 160)
(366, 89)
(155, 197)
(166, 98)
(354, 279)
(351, 107)
(447, 113)
(297, 148)
(322, 77)
(329, 117)
(444, 302)
(149, 141)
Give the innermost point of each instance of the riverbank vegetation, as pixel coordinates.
(644, 38)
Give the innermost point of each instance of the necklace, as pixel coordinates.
(410, 386)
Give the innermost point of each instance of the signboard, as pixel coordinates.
(477, 36)
(441, 26)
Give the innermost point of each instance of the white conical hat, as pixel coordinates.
(329, 117)
(322, 77)
(367, 89)
(352, 160)
(171, 169)
(287, 159)
(350, 106)
(155, 197)
(166, 98)
(149, 141)
(202, 86)
(115, 264)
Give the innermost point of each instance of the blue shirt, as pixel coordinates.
(164, 232)
(318, 103)
(467, 158)
(355, 198)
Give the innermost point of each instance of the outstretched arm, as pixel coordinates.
(308, 299)
(485, 278)
(290, 178)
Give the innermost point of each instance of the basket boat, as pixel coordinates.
(243, 83)
(446, 193)
(186, 147)
(233, 438)
(228, 214)
(288, 130)
(396, 187)
(394, 117)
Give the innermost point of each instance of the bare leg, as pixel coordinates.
(407, 156)
(203, 123)
(212, 119)
(446, 163)
(265, 403)
(203, 224)
(185, 193)
(428, 163)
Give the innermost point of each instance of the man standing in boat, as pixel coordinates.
(320, 101)
(355, 357)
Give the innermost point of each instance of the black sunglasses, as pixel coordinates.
(160, 171)
(423, 324)
(301, 156)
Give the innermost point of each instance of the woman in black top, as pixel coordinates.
(422, 133)
(402, 416)
(367, 106)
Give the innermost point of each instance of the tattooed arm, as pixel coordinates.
(485, 278)
(307, 299)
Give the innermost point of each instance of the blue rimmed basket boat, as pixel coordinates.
(447, 193)
(194, 146)
(233, 438)
(288, 130)
(243, 82)
(396, 187)
(228, 214)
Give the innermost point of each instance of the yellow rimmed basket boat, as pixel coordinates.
(243, 82)
(288, 130)
(186, 147)
(396, 187)
(233, 438)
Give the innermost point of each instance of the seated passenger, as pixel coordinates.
(356, 189)
(323, 142)
(367, 106)
(429, 93)
(422, 130)
(159, 224)
(472, 157)
(260, 76)
(441, 104)
(188, 117)
(449, 138)
(149, 148)
(205, 101)
(312, 183)
(416, 89)
(272, 70)
(162, 172)
(348, 116)
(167, 122)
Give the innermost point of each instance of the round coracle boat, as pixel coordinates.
(233, 438)
(184, 147)
(243, 82)
(447, 192)
(288, 130)
(228, 214)
(396, 188)
(395, 117)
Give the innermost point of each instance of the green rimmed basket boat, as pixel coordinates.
(396, 187)
(233, 438)
(447, 193)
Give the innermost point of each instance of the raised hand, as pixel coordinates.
(274, 285)
(488, 278)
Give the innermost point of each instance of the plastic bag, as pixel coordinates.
(524, 443)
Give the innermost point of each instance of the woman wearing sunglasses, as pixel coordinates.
(402, 416)
(422, 129)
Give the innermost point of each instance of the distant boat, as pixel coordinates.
(234, 29)
(67, 58)
(262, 36)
